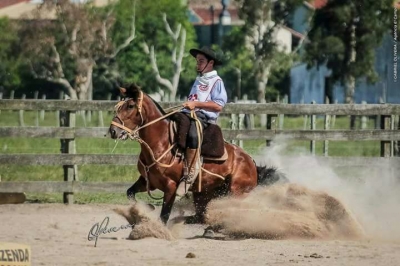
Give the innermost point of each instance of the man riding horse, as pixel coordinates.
(205, 101)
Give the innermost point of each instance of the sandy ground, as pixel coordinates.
(58, 235)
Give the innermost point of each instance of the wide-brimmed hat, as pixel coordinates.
(208, 52)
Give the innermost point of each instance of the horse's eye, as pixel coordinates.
(130, 106)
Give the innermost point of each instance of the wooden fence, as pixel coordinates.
(388, 134)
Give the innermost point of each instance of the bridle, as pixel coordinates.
(121, 125)
(133, 134)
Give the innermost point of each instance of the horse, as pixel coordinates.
(141, 118)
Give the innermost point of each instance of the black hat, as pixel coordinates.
(208, 52)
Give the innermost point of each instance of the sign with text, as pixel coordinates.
(14, 254)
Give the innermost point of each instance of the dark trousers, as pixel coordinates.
(192, 141)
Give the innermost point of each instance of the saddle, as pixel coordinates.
(213, 145)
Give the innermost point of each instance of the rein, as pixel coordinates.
(134, 135)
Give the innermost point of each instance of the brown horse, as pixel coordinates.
(141, 118)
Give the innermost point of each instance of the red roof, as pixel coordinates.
(319, 3)
(206, 16)
(5, 3)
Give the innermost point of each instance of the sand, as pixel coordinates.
(58, 235)
(319, 219)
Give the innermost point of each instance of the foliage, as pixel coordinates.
(134, 64)
(85, 40)
(9, 59)
(240, 58)
(331, 42)
(256, 49)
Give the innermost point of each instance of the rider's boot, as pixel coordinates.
(193, 164)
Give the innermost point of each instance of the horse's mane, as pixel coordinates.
(157, 105)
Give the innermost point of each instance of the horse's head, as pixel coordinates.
(128, 113)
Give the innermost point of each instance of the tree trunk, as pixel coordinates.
(350, 85)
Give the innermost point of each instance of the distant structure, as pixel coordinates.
(313, 84)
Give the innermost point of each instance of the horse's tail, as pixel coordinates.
(269, 175)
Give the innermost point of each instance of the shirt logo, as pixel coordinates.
(203, 87)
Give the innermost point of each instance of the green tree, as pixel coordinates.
(344, 35)
(9, 55)
(263, 18)
(153, 60)
(68, 49)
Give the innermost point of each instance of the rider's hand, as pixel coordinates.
(189, 105)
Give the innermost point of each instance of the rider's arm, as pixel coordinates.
(218, 100)
(208, 106)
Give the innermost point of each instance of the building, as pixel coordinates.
(205, 17)
(307, 85)
(21, 9)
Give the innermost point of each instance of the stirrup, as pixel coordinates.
(184, 185)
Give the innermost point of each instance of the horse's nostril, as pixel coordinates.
(113, 133)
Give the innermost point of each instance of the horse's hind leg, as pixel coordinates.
(138, 186)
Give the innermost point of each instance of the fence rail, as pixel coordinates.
(67, 133)
(230, 108)
(122, 159)
(243, 134)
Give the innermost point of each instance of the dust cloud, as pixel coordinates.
(145, 221)
(319, 202)
(287, 211)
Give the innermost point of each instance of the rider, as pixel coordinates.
(207, 98)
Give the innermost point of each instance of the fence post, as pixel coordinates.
(21, 113)
(305, 117)
(58, 113)
(68, 119)
(1, 97)
(240, 127)
(364, 118)
(233, 126)
(397, 142)
(386, 146)
(36, 96)
(42, 112)
(282, 116)
(313, 127)
(271, 125)
(334, 118)
(326, 127)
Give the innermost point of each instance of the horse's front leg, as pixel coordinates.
(138, 186)
(168, 201)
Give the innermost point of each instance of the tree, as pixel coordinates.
(238, 72)
(9, 55)
(65, 50)
(158, 57)
(179, 42)
(344, 35)
(262, 19)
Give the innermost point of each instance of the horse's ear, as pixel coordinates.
(122, 91)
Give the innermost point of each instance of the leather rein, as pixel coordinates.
(134, 135)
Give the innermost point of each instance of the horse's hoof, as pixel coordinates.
(131, 196)
(208, 233)
(193, 219)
